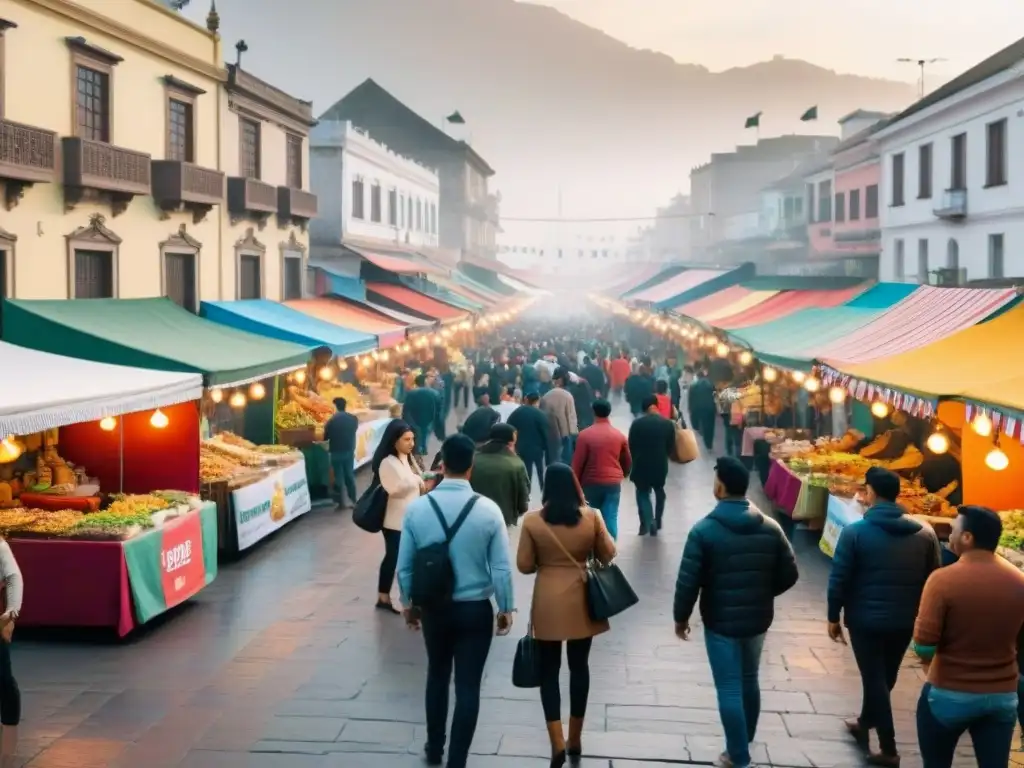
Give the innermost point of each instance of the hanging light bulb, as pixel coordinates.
(798, 376)
(326, 373)
(216, 395)
(722, 350)
(879, 409)
(159, 419)
(365, 362)
(982, 424)
(342, 365)
(375, 355)
(770, 374)
(107, 423)
(745, 357)
(257, 391)
(996, 460)
(384, 356)
(237, 399)
(300, 377)
(937, 442)
(837, 395)
(10, 450)
(812, 385)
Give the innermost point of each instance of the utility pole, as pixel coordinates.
(921, 64)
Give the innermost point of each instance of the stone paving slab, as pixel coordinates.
(283, 662)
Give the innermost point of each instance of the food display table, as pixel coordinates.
(795, 495)
(117, 584)
(839, 514)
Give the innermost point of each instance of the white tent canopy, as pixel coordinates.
(40, 391)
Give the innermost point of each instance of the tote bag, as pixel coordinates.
(371, 507)
(526, 664)
(686, 445)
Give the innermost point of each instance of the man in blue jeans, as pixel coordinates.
(736, 561)
(340, 433)
(601, 462)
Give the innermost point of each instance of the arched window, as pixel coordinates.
(953, 254)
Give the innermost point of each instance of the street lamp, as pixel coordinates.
(921, 64)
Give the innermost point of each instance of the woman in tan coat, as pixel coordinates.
(555, 543)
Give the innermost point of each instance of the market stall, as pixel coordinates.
(91, 554)
(406, 300)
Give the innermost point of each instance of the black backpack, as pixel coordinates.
(433, 578)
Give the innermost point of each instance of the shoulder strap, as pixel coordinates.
(449, 533)
(561, 546)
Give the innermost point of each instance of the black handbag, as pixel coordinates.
(371, 507)
(608, 591)
(526, 664)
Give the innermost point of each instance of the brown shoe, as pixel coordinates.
(860, 734)
(882, 759)
(557, 737)
(574, 745)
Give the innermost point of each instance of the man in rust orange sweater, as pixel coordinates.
(601, 462)
(968, 630)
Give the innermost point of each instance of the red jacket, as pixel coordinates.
(619, 371)
(602, 455)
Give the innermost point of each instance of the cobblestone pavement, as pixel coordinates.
(284, 662)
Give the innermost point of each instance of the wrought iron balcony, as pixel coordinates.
(27, 156)
(95, 170)
(180, 185)
(295, 205)
(953, 204)
(251, 199)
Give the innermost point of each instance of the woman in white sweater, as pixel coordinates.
(398, 472)
(10, 696)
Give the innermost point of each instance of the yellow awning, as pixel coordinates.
(750, 300)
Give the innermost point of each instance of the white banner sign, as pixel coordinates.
(266, 505)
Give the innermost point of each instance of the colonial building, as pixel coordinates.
(469, 212)
(371, 198)
(952, 192)
(108, 151)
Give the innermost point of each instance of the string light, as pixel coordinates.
(159, 419)
(996, 460)
(107, 423)
(937, 442)
(879, 409)
(216, 395)
(837, 395)
(798, 376)
(745, 357)
(982, 424)
(237, 400)
(326, 373)
(770, 374)
(722, 349)
(257, 391)
(812, 385)
(300, 377)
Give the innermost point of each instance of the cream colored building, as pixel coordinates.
(122, 167)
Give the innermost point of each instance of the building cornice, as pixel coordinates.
(254, 95)
(109, 26)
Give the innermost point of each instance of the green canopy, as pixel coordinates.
(148, 333)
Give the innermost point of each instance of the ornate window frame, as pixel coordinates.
(287, 249)
(85, 54)
(95, 236)
(248, 245)
(181, 242)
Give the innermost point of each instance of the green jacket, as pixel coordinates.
(500, 475)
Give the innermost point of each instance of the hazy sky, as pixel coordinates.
(863, 37)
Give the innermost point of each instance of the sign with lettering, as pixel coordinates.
(262, 507)
(181, 559)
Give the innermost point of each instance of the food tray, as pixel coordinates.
(296, 436)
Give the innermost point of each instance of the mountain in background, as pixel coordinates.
(551, 103)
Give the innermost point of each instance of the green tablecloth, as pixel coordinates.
(318, 471)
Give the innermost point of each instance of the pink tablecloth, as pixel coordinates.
(783, 487)
(750, 434)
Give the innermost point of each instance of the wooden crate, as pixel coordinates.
(297, 436)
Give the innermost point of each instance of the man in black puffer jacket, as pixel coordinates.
(738, 561)
(878, 573)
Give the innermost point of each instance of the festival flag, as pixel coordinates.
(456, 118)
(754, 121)
(810, 114)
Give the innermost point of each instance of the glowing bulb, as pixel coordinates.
(799, 376)
(257, 391)
(365, 362)
(465, 325)
(107, 423)
(159, 419)
(446, 333)
(326, 373)
(746, 358)
(837, 395)
(436, 339)
(300, 377)
(812, 385)
(701, 341)
(982, 424)
(216, 395)
(937, 442)
(237, 400)
(343, 365)
(770, 374)
(722, 350)
(879, 409)
(384, 356)
(996, 460)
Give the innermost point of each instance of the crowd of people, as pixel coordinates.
(446, 532)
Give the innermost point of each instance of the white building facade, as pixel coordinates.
(368, 193)
(952, 186)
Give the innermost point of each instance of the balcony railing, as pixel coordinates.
(95, 167)
(251, 198)
(177, 184)
(953, 204)
(295, 204)
(28, 156)
(858, 236)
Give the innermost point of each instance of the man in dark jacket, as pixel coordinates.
(535, 441)
(703, 410)
(652, 439)
(594, 376)
(879, 569)
(500, 475)
(340, 432)
(639, 386)
(737, 561)
(419, 411)
(583, 400)
(478, 424)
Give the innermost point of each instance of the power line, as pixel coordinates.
(606, 220)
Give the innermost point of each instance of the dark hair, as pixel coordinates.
(561, 374)
(457, 454)
(340, 404)
(883, 482)
(421, 380)
(586, 359)
(510, 389)
(392, 432)
(502, 433)
(982, 523)
(733, 476)
(661, 387)
(648, 402)
(533, 397)
(602, 408)
(563, 497)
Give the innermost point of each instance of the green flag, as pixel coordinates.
(754, 121)
(810, 114)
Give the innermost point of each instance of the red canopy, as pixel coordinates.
(415, 301)
(787, 303)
